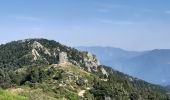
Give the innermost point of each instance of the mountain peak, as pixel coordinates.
(51, 52)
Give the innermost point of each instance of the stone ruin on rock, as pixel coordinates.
(63, 58)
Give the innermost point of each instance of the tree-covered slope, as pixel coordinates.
(41, 69)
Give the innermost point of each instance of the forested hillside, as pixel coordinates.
(41, 69)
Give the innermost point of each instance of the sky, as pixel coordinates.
(128, 24)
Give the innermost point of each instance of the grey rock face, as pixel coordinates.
(39, 46)
(91, 62)
(104, 72)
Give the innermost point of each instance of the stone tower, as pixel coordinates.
(63, 57)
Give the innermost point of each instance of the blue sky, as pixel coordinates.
(128, 24)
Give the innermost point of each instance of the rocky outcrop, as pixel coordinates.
(38, 46)
(91, 62)
(35, 54)
(104, 72)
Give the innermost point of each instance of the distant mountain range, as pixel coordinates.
(152, 66)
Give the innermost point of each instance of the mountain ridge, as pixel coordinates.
(55, 71)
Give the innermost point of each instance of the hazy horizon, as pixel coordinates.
(75, 46)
